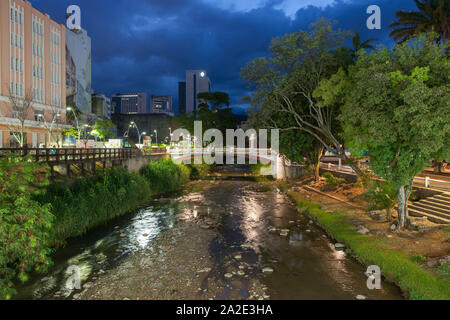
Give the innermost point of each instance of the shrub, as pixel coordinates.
(164, 175)
(199, 171)
(381, 196)
(92, 201)
(332, 180)
(24, 223)
(256, 168)
(418, 258)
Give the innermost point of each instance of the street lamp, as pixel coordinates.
(156, 133)
(76, 120)
(142, 134)
(134, 125)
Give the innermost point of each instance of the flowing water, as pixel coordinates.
(305, 264)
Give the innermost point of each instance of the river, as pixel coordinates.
(302, 265)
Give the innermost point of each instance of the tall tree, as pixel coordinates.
(285, 83)
(358, 45)
(432, 16)
(396, 105)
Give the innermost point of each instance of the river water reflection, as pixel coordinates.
(305, 264)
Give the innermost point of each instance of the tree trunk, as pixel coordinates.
(403, 195)
(317, 157)
(389, 214)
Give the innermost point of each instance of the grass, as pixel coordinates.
(93, 201)
(397, 267)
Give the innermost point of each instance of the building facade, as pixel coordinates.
(161, 104)
(101, 106)
(32, 68)
(78, 64)
(181, 98)
(196, 82)
(157, 126)
(133, 103)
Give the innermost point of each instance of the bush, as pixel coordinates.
(24, 223)
(381, 196)
(90, 202)
(332, 180)
(256, 168)
(418, 258)
(199, 171)
(165, 175)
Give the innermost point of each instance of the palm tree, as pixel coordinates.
(433, 16)
(358, 45)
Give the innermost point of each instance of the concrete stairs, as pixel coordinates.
(435, 208)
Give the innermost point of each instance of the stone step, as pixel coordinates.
(431, 217)
(432, 206)
(431, 212)
(434, 203)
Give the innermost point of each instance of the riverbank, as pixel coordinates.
(401, 255)
(233, 240)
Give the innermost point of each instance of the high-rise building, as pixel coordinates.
(132, 103)
(101, 106)
(196, 82)
(78, 65)
(181, 97)
(33, 68)
(161, 104)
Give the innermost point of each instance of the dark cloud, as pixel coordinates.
(146, 45)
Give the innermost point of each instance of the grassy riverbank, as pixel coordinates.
(93, 201)
(397, 267)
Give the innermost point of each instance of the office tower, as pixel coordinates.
(161, 104)
(181, 98)
(132, 103)
(196, 82)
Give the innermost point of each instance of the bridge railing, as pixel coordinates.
(69, 155)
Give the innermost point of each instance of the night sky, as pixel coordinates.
(146, 45)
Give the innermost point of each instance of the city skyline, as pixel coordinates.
(166, 38)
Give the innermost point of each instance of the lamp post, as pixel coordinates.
(156, 134)
(76, 120)
(140, 136)
(134, 125)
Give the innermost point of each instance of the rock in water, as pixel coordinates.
(267, 270)
(339, 246)
(361, 297)
(228, 275)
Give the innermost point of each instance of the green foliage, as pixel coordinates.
(256, 168)
(432, 16)
(443, 269)
(93, 201)
(396, 106)
(199, 171)
(397, 267)
(380, 195)
(103, 129)
(24, 223)
(418, 258)
(332, 180)
(165, 175)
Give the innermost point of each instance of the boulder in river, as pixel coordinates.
(267, 270)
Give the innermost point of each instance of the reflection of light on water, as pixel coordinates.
(252, 213)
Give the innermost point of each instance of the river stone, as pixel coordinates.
(393, 227)
(241, 273)
(246, 246)
(284, 232)
(363, 230)
(228, 275)
(123, 235)
(339, 246)
(76, 296)
(205, 226)
(267, 270)
(238, 257)
(206, 270)
(361, 297)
